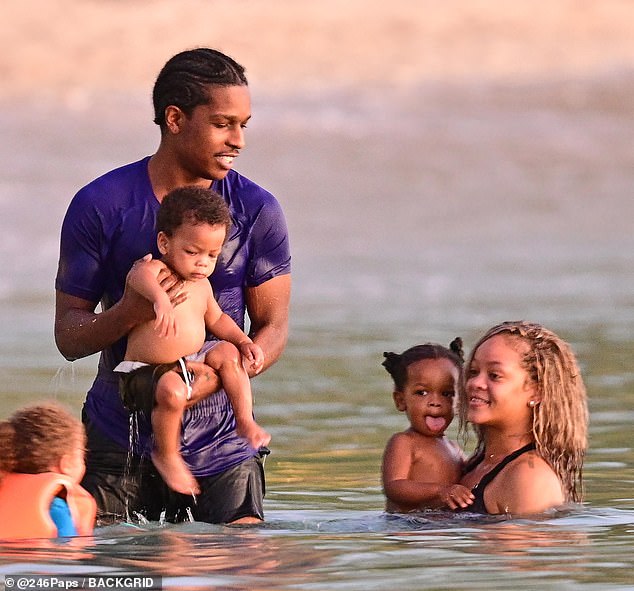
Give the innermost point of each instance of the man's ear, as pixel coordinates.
(173, 119)
(399, 400)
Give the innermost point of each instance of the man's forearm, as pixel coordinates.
(272, 339)
(267, 307)
(80, 331)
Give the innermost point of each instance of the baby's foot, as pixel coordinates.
(254, 434)
(175, 473)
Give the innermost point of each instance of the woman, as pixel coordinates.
(523, 393)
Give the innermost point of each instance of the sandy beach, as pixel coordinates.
(61, 47)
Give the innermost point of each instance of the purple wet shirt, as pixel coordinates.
(110, 223)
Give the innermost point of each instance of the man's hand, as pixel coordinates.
(137, 296)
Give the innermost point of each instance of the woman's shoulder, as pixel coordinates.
(528, 485)
(530, 465)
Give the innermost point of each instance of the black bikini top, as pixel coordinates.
(478, 489)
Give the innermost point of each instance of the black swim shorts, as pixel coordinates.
(122, 494)
(137, 388)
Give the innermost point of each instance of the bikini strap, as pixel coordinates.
(489, 476)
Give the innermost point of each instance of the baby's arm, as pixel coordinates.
(406, 494)
(223, 327)
(144, 279)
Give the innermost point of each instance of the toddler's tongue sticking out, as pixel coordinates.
(436, 424)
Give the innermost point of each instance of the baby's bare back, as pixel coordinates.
(145, 344)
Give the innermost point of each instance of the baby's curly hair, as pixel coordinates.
(191, 204)
(560, 420)
(36, 437)
(397, 364)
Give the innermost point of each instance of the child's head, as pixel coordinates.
(426, 379)
(43, 438)
(556, 411)
(192, 225)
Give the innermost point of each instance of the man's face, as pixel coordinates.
(207, 142)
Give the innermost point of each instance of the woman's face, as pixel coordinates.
(498, 387)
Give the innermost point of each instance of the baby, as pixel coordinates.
(192, 226)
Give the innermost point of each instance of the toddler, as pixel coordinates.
(41, 466)
(421, 467)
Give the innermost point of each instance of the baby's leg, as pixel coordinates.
(226, 360)
(171, 397)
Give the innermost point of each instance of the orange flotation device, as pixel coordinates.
(25, 503)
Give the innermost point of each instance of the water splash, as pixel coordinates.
(59, 378)
(133, 442)
(139, 516)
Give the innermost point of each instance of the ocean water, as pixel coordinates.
(415, 215)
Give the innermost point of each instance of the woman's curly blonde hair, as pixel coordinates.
(560, 420)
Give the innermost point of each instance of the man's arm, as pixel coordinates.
(80, 331)
(268, 309)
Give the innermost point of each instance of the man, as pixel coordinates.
(202, 104)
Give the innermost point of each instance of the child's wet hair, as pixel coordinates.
(396, 364)
(35, 438)
(195, 205)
